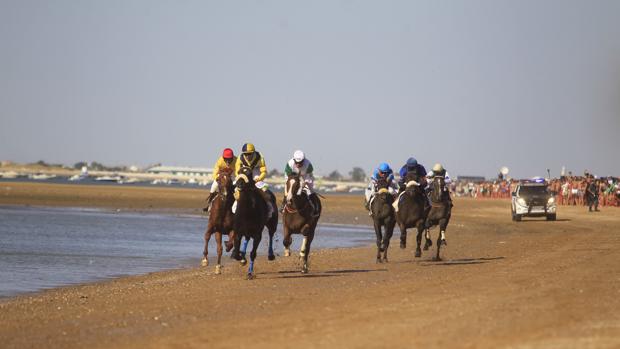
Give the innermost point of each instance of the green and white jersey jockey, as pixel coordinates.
(302, 166)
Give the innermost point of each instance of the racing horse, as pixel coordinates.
(249, 219)
(440, 212)
(411, 211)
(298, 217)
(383, 217)
(220, 219)
(271, 225)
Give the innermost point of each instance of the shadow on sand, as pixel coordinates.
(462, 261)
(324, 274)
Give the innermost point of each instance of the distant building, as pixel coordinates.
(474, 179)
(181, 171)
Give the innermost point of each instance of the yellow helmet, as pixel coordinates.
(248, 148)
(437, 168)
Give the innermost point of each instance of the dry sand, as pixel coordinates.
(533, 284)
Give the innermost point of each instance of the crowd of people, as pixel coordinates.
(568, 190)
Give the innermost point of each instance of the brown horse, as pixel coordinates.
(298, 217)
(220, 219)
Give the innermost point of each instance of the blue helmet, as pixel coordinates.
(412, 162)
(384, 167)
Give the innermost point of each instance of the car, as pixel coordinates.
(533, 199)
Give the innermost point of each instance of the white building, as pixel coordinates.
(181, 171)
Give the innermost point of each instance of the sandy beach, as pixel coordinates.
(533, 284)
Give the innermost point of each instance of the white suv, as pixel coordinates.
(533, 199)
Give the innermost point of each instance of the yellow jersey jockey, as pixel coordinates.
(254, 160)
(226, 162)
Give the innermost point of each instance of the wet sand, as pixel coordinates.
(533, 284)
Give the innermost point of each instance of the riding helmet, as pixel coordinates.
(438, 168)
(248, 148)
(384, 167)
(412, 162)
(228, 153)
(299, 156)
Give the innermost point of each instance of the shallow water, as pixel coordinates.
(48, 247)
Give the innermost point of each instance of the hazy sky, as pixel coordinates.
(472, 84)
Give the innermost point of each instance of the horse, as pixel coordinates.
(441, 210)
(298, 217)
(383, 216)
(220, 219)
(249, 219)
(411, 211)
(271, 225)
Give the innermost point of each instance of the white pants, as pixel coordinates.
(214, 187)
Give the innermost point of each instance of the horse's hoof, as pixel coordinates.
(287, 253)
(243, 262)
(418, 252)
(250, 276)
(218, 269)
(385, 260)
(444, 243)
(403, 245)
(204, 262)
(304, 269)
(271, 257)
(379, 261)
(437, 259)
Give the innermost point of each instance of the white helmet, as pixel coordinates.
(437, 168)
(299, 156)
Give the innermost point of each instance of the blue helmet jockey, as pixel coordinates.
(412, 165)
(383, 171)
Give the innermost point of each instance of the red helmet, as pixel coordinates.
(228, 153)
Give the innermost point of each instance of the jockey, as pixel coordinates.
(439, 171)
(412, 165)
(382, 172)
(226, 162)
(299, 164)
(255, 161)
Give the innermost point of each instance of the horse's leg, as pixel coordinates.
(420, 227)
(256, 242)
(237, 245)
(379, 239)
(403, 235)
(287, 240)
(271, 255)
(427, 236)
(389, 231)
(220, 250)
(205, 253)
(244, 247)
(230, 243)
(305, 251)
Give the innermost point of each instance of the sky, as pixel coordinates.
(475, 85)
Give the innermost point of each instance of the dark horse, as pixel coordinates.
(298, 217)
(441, 210)
(411, 211)
(272, 226)
(383, 216)
(220, 219)
(250, 217)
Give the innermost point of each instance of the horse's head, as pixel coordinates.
(294, 186)
(245, 179)
(382, 183)
(224, 181)
(438, 188)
